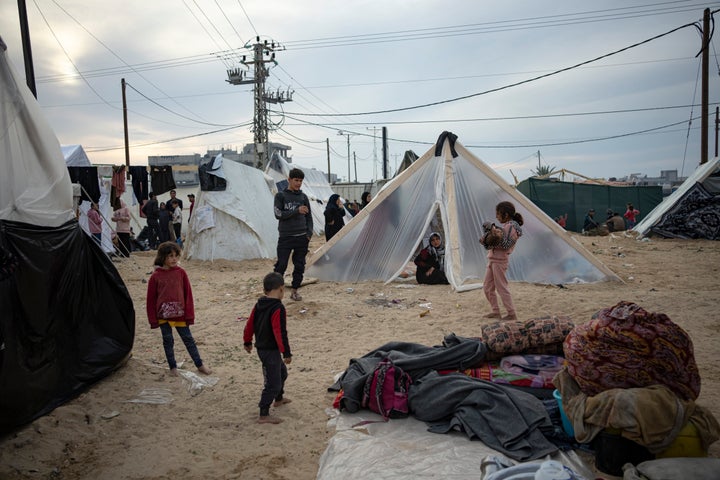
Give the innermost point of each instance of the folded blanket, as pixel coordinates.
(625, 346)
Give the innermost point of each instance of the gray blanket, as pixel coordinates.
(505, 419)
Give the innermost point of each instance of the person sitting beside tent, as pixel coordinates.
(591, 226)
(431, 262)
(334, 216)
(615, 222)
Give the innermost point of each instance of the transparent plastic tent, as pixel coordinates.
(380, 241)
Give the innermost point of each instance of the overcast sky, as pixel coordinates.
(347, 60)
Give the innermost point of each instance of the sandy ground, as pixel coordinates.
(211, 432)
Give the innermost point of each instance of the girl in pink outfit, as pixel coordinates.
(498, 257)
(95, 222)
(121, 217)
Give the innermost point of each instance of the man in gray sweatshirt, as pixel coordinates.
(295, 228)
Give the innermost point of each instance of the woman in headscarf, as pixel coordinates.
(431, 262)
(334, 216)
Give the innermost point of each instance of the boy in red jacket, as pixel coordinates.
(268, 323)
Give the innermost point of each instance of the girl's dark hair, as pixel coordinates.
(507, 209)
(165, 249)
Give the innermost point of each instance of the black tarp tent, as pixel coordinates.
(67, 318)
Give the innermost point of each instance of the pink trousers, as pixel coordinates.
(495, 279)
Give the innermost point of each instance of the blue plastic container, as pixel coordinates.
(566, 423)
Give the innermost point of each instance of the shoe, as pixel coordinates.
(204, 369)
(493, 315)
(295, 296)
(284, 401)
(510, 316)
(269, 419)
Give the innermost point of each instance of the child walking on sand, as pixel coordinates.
(170, 304)
(268, 323)
(498, 258)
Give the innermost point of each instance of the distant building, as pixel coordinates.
(668, 180)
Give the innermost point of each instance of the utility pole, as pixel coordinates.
(385, 153)
(355, 164)
(375, 159)
(705, 95)
(327, 148)
(263, 54)
(125, 125)
(27, 49)
(348, 149)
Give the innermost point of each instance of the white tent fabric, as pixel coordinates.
(381, 239)
(315, 186)
(706, 176)
(35, 186)
(75, 156)
(234, 224)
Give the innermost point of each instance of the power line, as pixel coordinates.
(505, 87)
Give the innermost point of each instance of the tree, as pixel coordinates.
(542, 170)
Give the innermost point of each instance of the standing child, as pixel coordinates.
(630, 215)
(170, 304)
(498, 259)
(268, 323)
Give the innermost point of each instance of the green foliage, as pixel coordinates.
(542, 170)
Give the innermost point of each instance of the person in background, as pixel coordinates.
(168, 204)
(562, 220)
(177, 221)
(430, 262)
(191, 198)
(268, 324)
(295, 228)
(615, 222)
(169, 304)
(590, 225)
(152, 212)
(334, 216)
(498, 259)
(365, 199)
(95, 223)
(630, 215)
(164, 224)
(121, 217)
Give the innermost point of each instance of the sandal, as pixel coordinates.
(295, 296)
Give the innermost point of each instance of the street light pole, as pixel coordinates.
(348, 148)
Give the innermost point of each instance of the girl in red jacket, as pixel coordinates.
(170, 304)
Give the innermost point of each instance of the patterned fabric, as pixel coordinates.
(522, 336)
(696, 215)
(625, 346)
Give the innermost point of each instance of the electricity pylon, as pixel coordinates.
(263, 58)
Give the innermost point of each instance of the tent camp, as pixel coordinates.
(315, 186)
(381, 239)
(557, 198)
(237, 223)
(67, 318)
(691, 211)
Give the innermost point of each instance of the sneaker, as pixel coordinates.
(295, 296)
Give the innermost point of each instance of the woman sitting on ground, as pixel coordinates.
(431, 262)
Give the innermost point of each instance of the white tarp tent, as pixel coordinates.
(315, 186)
(691, 211)
(237, 223)
(75, 156)
(381, 239)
